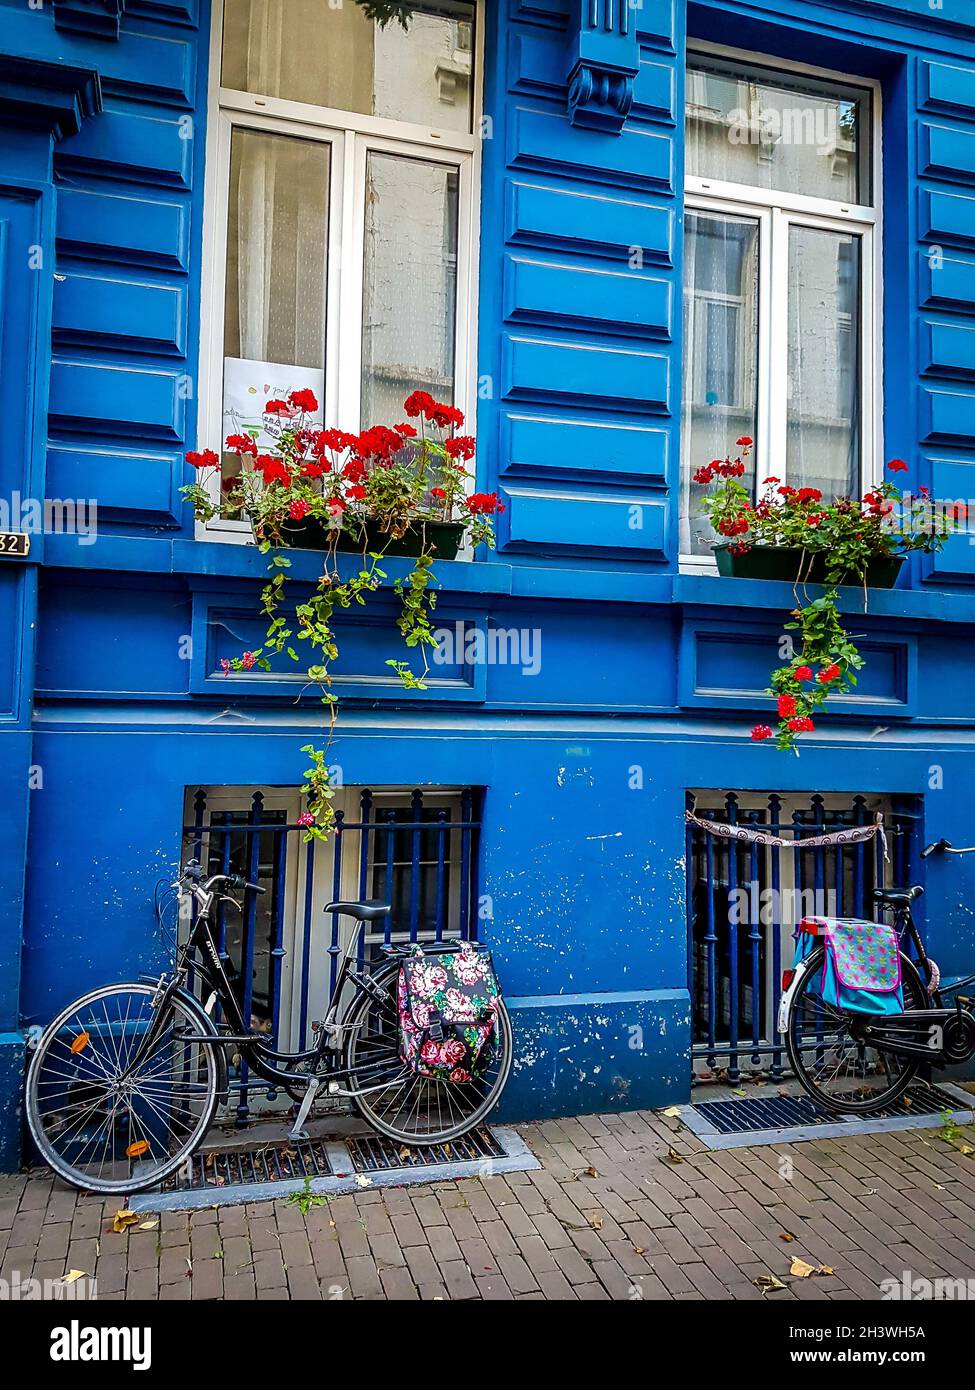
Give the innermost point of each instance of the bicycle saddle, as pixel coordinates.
(370, 910)
(896, 897)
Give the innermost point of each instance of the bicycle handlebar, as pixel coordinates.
(946, 847)
(192, 873)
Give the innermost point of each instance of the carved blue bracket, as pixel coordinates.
(98, 18)
(602, 62)
(46, 95)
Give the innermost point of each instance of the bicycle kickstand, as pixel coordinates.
(297, 1130)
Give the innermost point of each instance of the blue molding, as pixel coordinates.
(93, 18)
(52, 96)
(602, 63)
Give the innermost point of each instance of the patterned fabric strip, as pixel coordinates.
(751, 835)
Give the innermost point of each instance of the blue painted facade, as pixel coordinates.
(105, 721)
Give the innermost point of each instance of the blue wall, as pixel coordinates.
(579, 356)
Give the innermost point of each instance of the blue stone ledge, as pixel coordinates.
(583, 1054)
(12, 1054)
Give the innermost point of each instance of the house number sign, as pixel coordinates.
(14, 544)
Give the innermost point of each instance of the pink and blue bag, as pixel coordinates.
(862, 966)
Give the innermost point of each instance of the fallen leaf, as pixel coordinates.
(124, 1219)
(592, 1172)
(673, 1156)
(965, 1149)
(787, 1236)
(73, 1275)
(672, 1112)
(908, 1101)
(768, 1283)
(80, 1043)
(148, 1225)
(596, 1221)
(799, 1269)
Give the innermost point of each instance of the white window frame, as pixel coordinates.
(775, 213)
(351, 137)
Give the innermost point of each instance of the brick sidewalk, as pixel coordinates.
(624, 1207)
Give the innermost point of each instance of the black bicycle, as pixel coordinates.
(123, 1085)
(856, 1063)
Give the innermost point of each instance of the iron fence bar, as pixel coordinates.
(416, 805)
(306, 942)
(390, 827)
(775, 808)
(279, 849)
(248, 928)
(734, 1073)
(334, 948)
(710, 947)
(755, 939)
(442, 842)
(468, 930)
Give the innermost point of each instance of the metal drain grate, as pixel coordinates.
(789, 1112)
(373, 1153)
(264, 1163)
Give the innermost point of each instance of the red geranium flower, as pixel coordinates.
(208, 459)
(704, 474)
(462, 446)
(437, 492)
(418, 402)
(897, 466)
(484, 503)
(786, 706)
(298, 509)
(241, 444)
(445, 415)
(407, 431)
(304, 400)
(277, 407)
(760, 732)
(828, 673)
(802, 724)
(745, 440)
(803, 673)
(356, 493)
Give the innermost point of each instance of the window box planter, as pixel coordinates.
(794, 564)
(441, 538)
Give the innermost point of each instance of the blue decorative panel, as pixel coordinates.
(538, 444)
(128, 231)
(126, 483)
(126, 401)
(655, 20)
(718, 668)
(89, 309)
(949, 348)
(144, 64)
(559, 216)
(95, 641)
(173, 11)
(628, 300)
(120, 145)
(953, 480)
(948, 415)
(947, 280)
(534, 368)
(540, 139)
(948, 151)
(584, 521)
(948, 216)
(948, 88)
(224, 628)
(538, 65)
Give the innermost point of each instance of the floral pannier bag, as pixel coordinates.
(862, 966)
(447, 1006)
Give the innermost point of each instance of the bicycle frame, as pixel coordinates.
(265, 1061)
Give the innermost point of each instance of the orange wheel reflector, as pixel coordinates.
(138, 1149)
(80, 1042)
(787, 977)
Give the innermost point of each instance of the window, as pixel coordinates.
(342, 186)
(779, 273)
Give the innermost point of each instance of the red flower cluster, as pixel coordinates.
(786, 706)
(241, 444)
(379, 442)
(422, 403)
(803, 673)
(719, 468)
(462, 446)
(801, 724)
(760, 733)
(828, 673)
(484, 503)
(208, 459)
(734, 526)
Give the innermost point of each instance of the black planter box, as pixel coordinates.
(441, 538)
(792, 564)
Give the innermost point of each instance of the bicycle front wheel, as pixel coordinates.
(394, 1100)
(119, 1096)
(829, 1053)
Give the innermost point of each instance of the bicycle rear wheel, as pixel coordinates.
(829, 1055)
(393, 1099)
(107, 1118)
